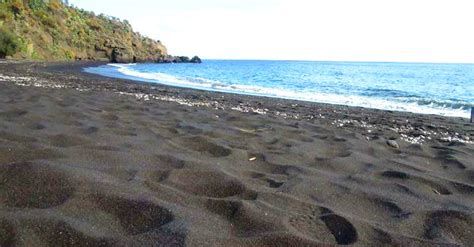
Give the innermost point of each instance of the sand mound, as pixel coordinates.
(170, 161)
(447, 158)
(30, 185)
(12, 114)
(206, 183)
(16, 138)
(22, 154)
(66, 141)
(58, 233)
(450, 227)
(463, 188)
(7, 233)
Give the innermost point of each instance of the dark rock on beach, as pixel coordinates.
(196, 59)
(121, 55)
(178, 59)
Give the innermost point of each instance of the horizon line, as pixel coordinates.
(339, 61)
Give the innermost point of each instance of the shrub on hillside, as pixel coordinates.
(45, 18)
(9, 43)
(36, 4)
(70, 55)
(17, 7)
(5, 13)
(94, 24)
(54, 5)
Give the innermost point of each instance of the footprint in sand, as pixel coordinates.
(463, 188)
(274, 184)
(450, 226)
(135, 216)
(169, 161)
(330, 152)
(188, 129)
(446, 156)
(395, 174)
(201, 144)
(246, 219)
(436, 187)
(322, 223)
(266, 179)
(258, 162)
(342, 230)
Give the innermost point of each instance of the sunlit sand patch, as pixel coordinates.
(26, 81)
(405, 132)
(247, 109)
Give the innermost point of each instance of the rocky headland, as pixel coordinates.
(53, 31)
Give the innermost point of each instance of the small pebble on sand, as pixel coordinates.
(393, 144)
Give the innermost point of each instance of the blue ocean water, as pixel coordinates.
(442, 89)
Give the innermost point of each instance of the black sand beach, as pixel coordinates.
(93, 161)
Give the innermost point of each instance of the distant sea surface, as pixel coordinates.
(442, 89)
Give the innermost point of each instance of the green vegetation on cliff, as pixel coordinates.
(50, 30)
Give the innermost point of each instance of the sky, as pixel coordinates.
(322, 30)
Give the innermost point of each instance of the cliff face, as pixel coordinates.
(51, 30)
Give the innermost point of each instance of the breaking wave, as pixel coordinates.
(406, 103)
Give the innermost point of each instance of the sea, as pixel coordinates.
(426, 88)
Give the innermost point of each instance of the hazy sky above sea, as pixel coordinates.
(341, 30)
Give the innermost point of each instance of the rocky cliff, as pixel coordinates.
(51, 30)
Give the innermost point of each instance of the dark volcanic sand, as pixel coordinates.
(93, 161)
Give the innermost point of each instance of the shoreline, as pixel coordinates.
(126, 71)
(455, 128)
(96, 161)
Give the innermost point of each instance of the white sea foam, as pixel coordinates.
(353, 100)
